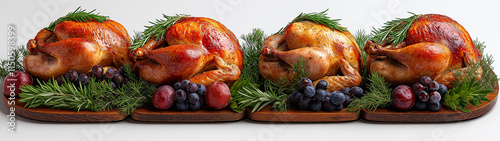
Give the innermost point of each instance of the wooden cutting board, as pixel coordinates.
(443, 115)
(203, 115)
(55, 115)
(267, 114)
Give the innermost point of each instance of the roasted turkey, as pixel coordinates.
(434, 45)
(77, 46)
(195, 48)
(331, 55)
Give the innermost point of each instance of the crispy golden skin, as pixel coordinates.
(331, 55)
(195, 48)
(433, 46)
(76, 46)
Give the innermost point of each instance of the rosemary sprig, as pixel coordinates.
(78, 15)
(157, 30)
(361, 37)
(251, 51)
(488, 78)
(479, 45)
(378, 96)
(14, 61)
(250, 74)
(317, 17)
(251, 96)
(393, 32)
(466, 90)
(96, 96)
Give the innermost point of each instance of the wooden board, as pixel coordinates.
(267, 114)
(203, 115)
(443, 115)
(55, 115)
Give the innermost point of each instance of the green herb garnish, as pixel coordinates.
(466, 89)
(96, 96)
(361, 38)
(378, 96)
(317, 17)
(14, 61)
(157, 30)
(393, 32)
(78, 15)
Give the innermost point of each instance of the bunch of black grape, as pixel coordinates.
(315, 99)
(189, 95)
(428, 94)
(113, 75)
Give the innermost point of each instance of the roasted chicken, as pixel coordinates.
(434, 45)
(331, 55)
(76, 46)
(199, 49)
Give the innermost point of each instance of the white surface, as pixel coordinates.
(480, 18)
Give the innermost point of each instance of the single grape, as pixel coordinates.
(417, 87)
(195, 107)
(118, 79)
(337, 98)
(309, 91)
(425, 80)
(97, 71)
(315, 106)
(84, 79)
(305, 100)
(60, 80)
(71, 76)
(304, 82)
(295, 96)
(191, 87)
(193, 98)
(110, 73)
(435, 97)
(320, 94)
(327, 105)
(442, 89)
(177, 85)
(434, 86)
(434, 107)
(184, 84)
(181, 106)
(347, 100)
(338, 107)
(356, 91)
(201, 89)
(180, 95)
(346, 91)
(303, 106)
(419, 105)
(423, 96)
(322, 84)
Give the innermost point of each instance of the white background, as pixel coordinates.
(480, 18)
